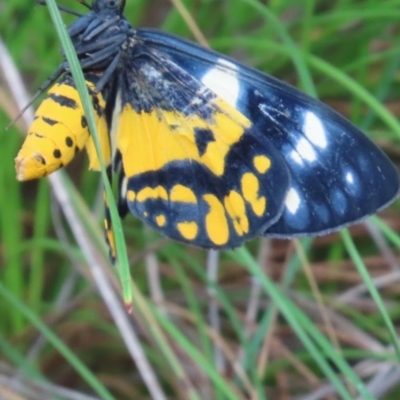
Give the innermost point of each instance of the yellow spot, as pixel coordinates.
(236, 209)
(146, 214)
(216, 224)
(262, 164)
(152, 193)
(160, 219)
(183, 194)
(188, 229)
(250, 188)
(131, 195)
(158, 144)
(105, 223)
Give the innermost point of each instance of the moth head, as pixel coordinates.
(111, 5)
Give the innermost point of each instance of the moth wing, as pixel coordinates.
(338, 176)
(192, 166)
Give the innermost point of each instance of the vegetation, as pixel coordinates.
(302, 319)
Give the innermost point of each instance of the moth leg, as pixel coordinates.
(107, 73)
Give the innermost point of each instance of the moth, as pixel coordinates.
(207, 151)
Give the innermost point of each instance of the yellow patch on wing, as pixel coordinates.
(250, 187)
(188, 229)
(217, 227)
(102, 130)
(152, 193)
(58, 132)
(236, 208)
(161, 220)
(131, 195)
(262, 163)
(148, 141)
(180, 193)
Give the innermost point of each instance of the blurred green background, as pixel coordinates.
(278, 320)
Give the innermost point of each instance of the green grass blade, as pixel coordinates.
(76, 71)
(64, 350)
(307, 333)
(355, 256)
